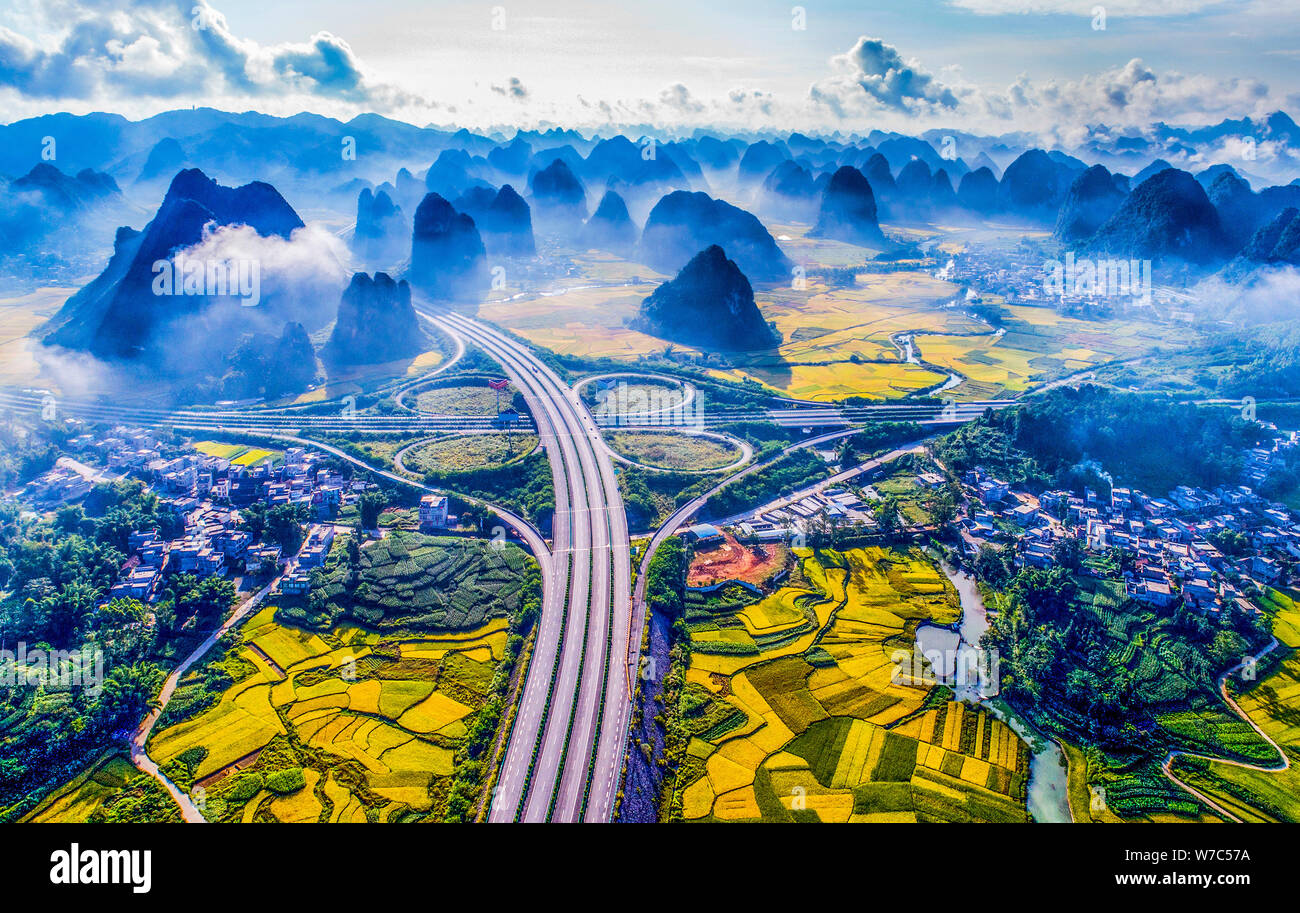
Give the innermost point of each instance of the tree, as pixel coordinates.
(666, 578)
(1068, 553)
(942, 507)
(127, 693)
(371, 505)
(207, 600)
(888, 515)
(991, 566)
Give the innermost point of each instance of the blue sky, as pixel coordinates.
(990, 65)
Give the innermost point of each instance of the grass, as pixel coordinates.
(464, 452)
(253, 455)
(673, 450)
(461, 400)
(222, 451)
(237, 454)
(817, 726)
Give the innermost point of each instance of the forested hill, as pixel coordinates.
(1070, 437)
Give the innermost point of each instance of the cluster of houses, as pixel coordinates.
(788, 517)
(212, 544)
(206, 494)
(1168, 543)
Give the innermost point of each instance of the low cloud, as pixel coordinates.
(1075, 8)
(512, 89)
(678, 98)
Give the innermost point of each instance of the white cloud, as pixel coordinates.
(678, 98)
(873, 74)
(1085, 8)
(85, 50)
(512, 89)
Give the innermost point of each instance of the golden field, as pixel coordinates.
(796, 709)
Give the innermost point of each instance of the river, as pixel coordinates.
(961, 665)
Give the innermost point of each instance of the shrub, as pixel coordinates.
(286, 781)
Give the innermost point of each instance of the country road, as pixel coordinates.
(139, 756)
(1167, 765)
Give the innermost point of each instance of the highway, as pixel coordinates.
(566, 747)
(341, 417)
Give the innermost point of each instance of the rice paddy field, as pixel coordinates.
(674, 450)
(107, 786)
(837, 342)
(237, 454)
(795, 709)
(344, 726)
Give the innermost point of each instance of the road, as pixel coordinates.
(572, 725)
(567, 743)
(689, 509)
(551, 588)
(189, 811)
(1285, 762)
(342, 418)
(834, 479)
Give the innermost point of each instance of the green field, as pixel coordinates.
(674, 450)
(408, 581)
(461, 400)
(237, 454)
(466, 452)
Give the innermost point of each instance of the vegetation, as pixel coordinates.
(1069, 438)
(409, 582)
(55, 572)
(789, 473)
(466, 452)
(674, 450)
(395, 721)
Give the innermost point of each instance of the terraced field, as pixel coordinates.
(371, 724)
(1271, 703)
(795, 708)
(112, 789)
(361, 703)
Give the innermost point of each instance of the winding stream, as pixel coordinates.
(957, 652)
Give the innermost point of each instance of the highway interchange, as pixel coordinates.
(564, 758)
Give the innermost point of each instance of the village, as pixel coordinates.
(1207, 548)
(209, 496)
